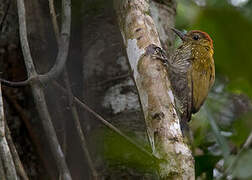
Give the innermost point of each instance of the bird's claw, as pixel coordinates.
(160, 54)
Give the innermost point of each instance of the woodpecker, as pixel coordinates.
(191, 71)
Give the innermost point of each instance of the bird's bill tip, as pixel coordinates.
(179, 33)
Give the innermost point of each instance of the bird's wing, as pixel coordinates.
(180, 75)
(182, 58)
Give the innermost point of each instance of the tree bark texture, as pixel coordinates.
(140, 36)
(5, 153)
(163, 15)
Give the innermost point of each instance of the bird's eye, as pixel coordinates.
(196, 37)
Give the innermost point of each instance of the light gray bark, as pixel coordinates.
(5, 154)
(140, 36)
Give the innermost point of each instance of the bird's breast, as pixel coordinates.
(202, 75)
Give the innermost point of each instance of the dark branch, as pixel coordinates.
(5, 15)
(77, 123)
(14, 84)
(18, 164)
(71, 97)
(63, 45)
(5, 154)
(37, 90)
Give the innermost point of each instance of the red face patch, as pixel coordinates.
(203, 34)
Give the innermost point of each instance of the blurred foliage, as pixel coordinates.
(243, 166)
(242, 128)
(229, 23)
(231, 33)
(121, 154)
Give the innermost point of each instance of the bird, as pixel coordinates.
(191, 71)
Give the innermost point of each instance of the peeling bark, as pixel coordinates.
(141, 40)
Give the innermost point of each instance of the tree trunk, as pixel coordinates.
(141, 40)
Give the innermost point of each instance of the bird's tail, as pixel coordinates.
(186, 132)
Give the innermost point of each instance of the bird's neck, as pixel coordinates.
(206, 48)
(211, 51)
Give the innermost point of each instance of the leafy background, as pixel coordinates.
(224, 123)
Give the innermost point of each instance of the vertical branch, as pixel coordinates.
(54, 20)
(143, 48)
(4, 16)
(23, 39)
(31, 130)
(71, 98)
(78, 127)
(18, 164)
(50, 131)
(37, 91)
(63, 42)
(5, 154)
(2, 174)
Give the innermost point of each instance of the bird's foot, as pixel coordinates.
(158, 53)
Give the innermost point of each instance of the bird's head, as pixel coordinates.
(195, 37)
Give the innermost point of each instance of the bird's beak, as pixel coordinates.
(180, 34)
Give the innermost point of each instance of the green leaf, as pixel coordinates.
(243, 168)
(121, 154)
(242, 128)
